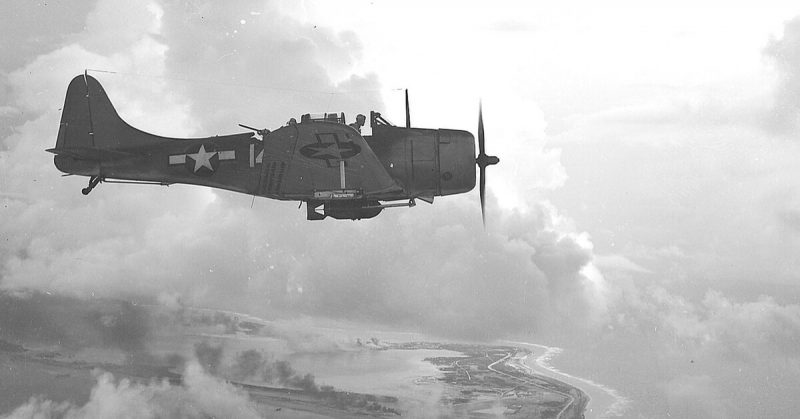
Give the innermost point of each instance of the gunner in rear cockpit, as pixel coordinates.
(360, 120)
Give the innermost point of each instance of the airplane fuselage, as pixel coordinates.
(321, 162)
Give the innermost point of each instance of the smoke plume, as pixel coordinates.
(200, 395)
(36, 317)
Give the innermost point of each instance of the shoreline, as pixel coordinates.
(603, 402)
(592, 394)
(488, 378)
(409, 377)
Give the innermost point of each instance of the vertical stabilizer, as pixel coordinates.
(89, 120)
(76, 122)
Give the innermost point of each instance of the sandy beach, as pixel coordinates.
(604, 402)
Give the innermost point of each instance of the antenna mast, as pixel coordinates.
(408, 112)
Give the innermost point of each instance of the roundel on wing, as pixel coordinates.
(334, 150)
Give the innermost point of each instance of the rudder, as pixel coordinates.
(76, 124)
(88, 119)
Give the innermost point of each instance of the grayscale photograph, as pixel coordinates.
(414, 209)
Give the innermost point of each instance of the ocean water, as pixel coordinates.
(336, 360)
(398, 373)
(605, 402)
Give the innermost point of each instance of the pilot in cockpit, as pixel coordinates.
(360, 120)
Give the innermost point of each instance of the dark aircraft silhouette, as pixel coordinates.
(320, 160)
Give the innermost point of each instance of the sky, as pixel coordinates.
(645, 215)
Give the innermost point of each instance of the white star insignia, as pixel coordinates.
(202, 158)
(331, 150)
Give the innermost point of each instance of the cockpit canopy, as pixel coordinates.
(324, 117)
(375, 118)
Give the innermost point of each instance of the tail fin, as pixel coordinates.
(91, 130)
(88, 119)
(76, 123)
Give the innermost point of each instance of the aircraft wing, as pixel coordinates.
(301, 160)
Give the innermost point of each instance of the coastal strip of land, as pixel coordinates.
(486, 380)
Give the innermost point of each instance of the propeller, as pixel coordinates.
(261, 132)
(483, 161)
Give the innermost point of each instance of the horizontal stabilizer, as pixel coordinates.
(89, 153)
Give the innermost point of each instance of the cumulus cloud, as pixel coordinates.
(619, 262)
(790, 219)
(748, 330)
(431, 268)
(200, 395)
(265, 71)
(785, 54)
(699, 357)
(196, 69)
(716, 325)
(694, 397)
(452, 279)
(119, 240)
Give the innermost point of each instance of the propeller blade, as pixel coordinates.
(483, 195)
(483, 161)
(481, 144)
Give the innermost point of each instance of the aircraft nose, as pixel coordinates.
(456, 161)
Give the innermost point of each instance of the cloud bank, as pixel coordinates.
(429, 268)
(200, 395)
(785, 55)
(432, 269)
